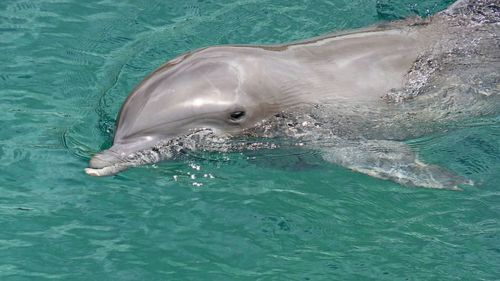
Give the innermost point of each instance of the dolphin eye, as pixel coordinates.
(236, 115)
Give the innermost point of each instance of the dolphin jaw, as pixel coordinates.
(106, 171)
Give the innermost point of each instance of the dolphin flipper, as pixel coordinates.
(394, 161)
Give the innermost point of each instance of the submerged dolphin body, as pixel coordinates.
(355, 95)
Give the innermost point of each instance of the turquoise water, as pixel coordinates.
(67, 66)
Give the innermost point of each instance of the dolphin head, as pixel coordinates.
(209, 90)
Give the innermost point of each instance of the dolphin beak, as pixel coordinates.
(115, 159)
(104, 159)
(106, 163)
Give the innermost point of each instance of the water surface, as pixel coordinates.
(67, 66)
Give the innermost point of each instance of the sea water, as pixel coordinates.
(67, 66)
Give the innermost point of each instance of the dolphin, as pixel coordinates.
(357, 95)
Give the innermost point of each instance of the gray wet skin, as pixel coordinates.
(232, 88)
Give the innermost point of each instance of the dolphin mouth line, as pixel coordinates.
(106, 171)
(143, 157)
(113, 161)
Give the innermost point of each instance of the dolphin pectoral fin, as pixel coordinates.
(393, 161)
(418, 175)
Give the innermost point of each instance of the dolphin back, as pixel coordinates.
(488, 10)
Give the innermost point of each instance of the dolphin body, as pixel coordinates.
(354, 96)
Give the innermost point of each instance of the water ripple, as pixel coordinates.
(259, 215)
